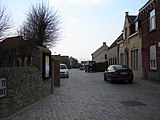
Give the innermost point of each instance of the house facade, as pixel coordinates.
(128, 29)
(135, 55)
(150, 35)
(100, 54)
(113, 52)
(130, 46)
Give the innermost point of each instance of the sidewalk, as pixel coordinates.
(148, 83)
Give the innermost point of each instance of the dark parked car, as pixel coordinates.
(90, 66)
(118, 72)
(82, 67)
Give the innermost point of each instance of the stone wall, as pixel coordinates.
(25, 86)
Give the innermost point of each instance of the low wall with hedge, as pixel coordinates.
(101, 66)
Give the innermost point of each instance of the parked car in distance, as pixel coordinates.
(82, 67)
(117, 73)
(90, 66)
(64, 72)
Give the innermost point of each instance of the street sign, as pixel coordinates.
(3, 87)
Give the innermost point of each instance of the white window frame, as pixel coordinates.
(153, 57)
(134, 58)
(152, 20)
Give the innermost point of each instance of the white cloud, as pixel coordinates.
(87, 1)
(72, 19)
(83, 2)
(56, 2)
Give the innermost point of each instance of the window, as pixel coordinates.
(122, 58)
(112, 61)
(115, 60)
(28, 61)
(109, 61)
(134, 58)
(136, 26)
(18, 62)
(126, 57)
(153, 61)
(152, 20)
(105, 56)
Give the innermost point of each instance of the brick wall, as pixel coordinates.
(150, 38)
(158, 34)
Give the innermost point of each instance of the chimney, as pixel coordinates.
(126, 13)
(104, 43)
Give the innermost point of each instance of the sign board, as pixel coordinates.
(158, 44)
(47, 66)
(3, 87)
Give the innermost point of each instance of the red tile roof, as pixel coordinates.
(13, 43)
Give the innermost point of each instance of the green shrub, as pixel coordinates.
(101, 66)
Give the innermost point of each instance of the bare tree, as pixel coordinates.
(5, 21)
(42, 25)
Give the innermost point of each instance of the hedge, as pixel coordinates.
(101, 66)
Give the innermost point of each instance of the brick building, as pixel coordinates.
(14, 52)
(150, 34)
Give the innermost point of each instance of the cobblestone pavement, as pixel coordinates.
(86, 96)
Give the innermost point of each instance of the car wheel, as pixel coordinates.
(110, 80)
(105, 79)
(130, 81)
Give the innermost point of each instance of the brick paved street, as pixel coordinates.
(86, 96)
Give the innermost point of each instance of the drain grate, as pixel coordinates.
(132, 103)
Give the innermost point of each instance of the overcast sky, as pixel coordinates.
(86, 24)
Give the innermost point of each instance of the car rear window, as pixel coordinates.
(63, 67)
(117, 67)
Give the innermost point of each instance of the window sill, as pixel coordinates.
(135, 69)
(153, 70)
(151, 31)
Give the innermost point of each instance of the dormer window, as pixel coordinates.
(152, 20)
(136, 26)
